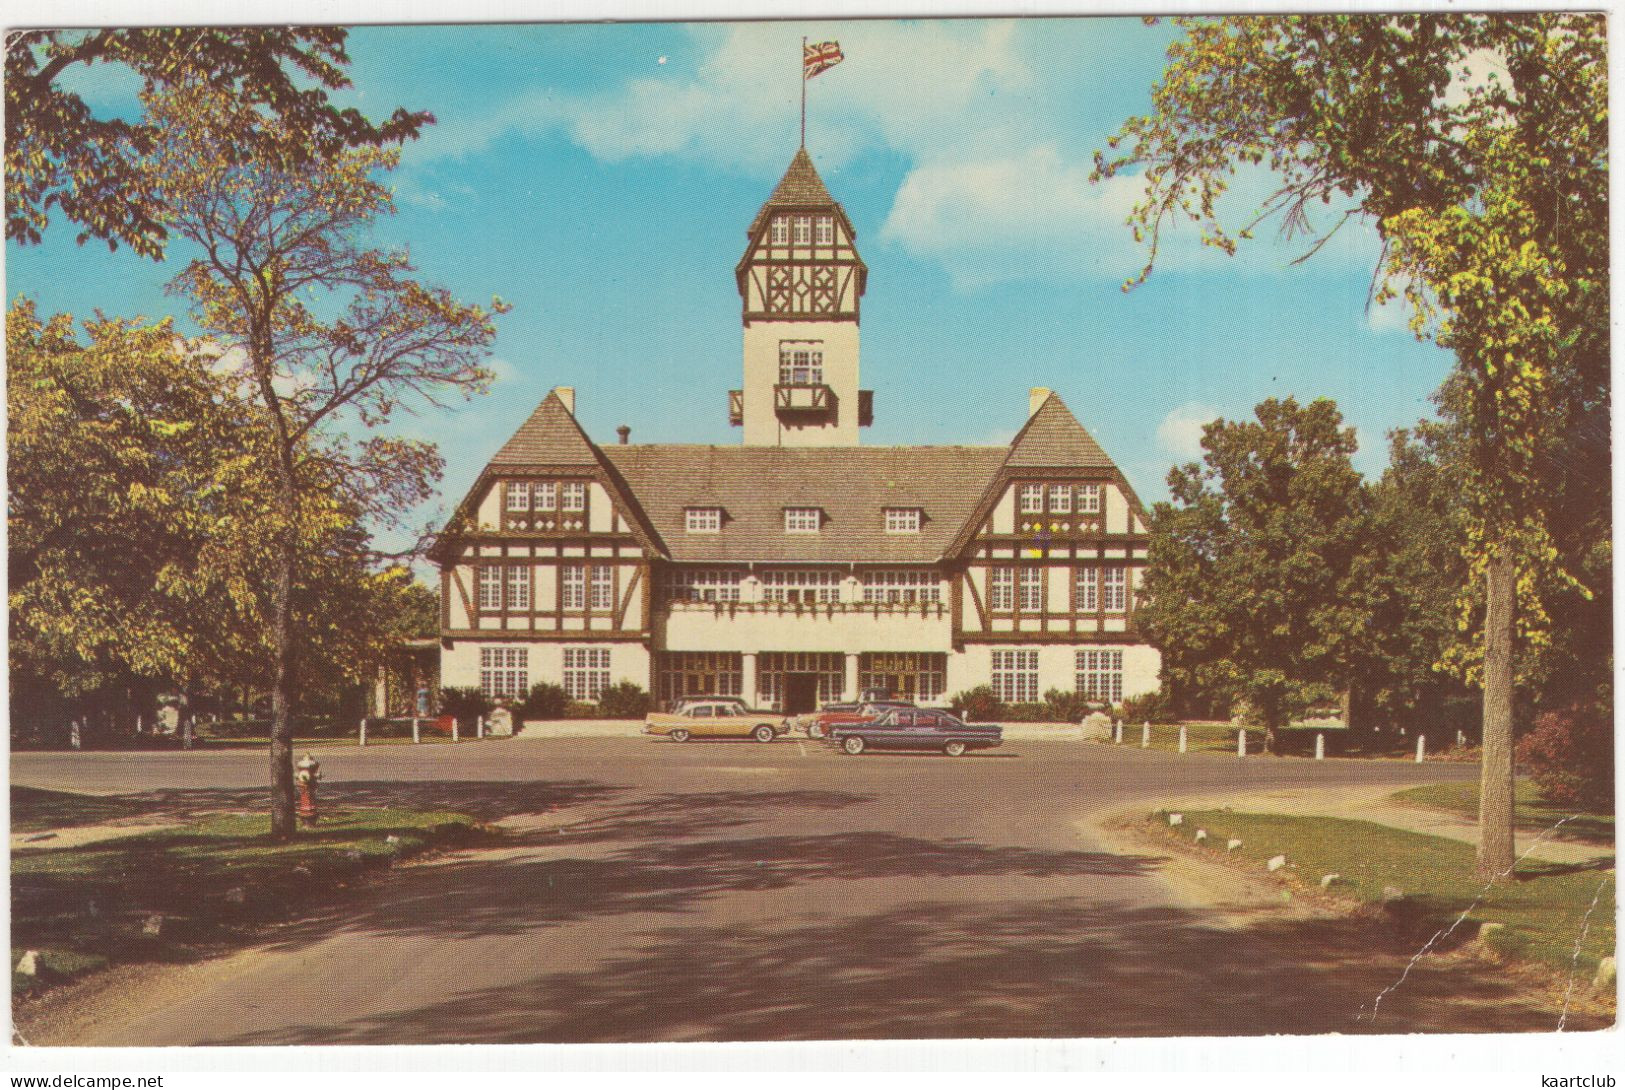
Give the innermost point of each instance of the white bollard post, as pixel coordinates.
(1241, 743)
(1117, 732)
(363, 730)
(456, 725)
(1461, 738)
(479, 727)
(1145, 736)
(414, 730)
(1182, 738)
(1421, 747)
(1320, 747)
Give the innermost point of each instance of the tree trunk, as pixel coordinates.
(1495, 840)
(282, 801)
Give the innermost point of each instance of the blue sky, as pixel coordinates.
(600, 178)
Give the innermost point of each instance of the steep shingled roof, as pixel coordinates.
(800, 187)
(550, 437)
(852, 486)
(1052, 438)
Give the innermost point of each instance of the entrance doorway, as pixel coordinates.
(800, 693)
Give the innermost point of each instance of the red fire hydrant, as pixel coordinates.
(306, 773)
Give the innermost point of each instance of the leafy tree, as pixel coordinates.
(1250, 585)
(60, 153)
(323, 330)
(1477, 145)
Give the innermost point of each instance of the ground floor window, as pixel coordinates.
(1100, 675)
(909, 675)
(700, 673)
(504, 672)
(586, 672)
(1015, 676)
(823, 673)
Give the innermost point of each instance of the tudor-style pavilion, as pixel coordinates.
(799, 566)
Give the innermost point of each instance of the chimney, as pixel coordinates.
(625, 433)
(567, 394)
(1036, 398)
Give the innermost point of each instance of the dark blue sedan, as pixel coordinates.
(918, 729)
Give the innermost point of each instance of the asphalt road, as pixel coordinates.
(656, 891)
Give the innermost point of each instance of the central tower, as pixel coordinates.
(800, 281)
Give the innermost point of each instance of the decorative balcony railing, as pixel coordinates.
(736, 407)
(790, 397)
(809, 609)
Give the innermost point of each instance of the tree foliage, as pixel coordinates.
(60, 153)
(1252, 585)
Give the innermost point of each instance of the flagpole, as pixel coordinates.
(804, 91)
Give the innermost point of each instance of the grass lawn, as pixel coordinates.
(1533, 813)
(211, 879)
(33, 809)
(1546, 908)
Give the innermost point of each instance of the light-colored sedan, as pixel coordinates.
(716, 719)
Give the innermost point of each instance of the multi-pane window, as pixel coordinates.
(703, 673)
(1116, 589)
(902, 520)
(1032, 499)
(504, 672)
(575, 495)
(801, 586)
(1031, 598)
(1015, 677)
(519, 496)
(801, 520)
(1001, 595)
(801, 363)
(1089, 499)
(586, 672)
(490, 587)
(519, 587)
(573, 586)
(907, 675)
(1060, 499)
(901, 587)
(781, 231)
(803, 227)
(824, 230)
(703, 520)
(603, 587)
(773, 667)
(703, 585)
(545, 495)
(1100, 675)
(1088, 590)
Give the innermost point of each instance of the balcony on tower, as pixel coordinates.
(804, 399)
(736, 407)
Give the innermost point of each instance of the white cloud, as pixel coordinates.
(1180, 433)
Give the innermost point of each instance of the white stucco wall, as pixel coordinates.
(460, 664)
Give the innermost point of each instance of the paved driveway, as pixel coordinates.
(737, 891)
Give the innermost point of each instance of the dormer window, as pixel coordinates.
(902, 520)
(702, 520)
(802, 520)
(824, 230)
(781, 231)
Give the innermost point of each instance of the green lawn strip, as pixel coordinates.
(34, 810)
(1544, 908)
(210, 879)
(1534, 813)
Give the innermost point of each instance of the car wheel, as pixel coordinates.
(954, 749)
(853, 745)
(763, 733)
(679, 735)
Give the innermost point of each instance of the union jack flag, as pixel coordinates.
(819, 58)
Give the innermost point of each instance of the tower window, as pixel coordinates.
(1089, 498)
(1032, 499)
(802, 520)
(575, 496)
(824, 230)
(801, 363)
(518, 496)
(781, 231)
(803, 230)
(1060, 499)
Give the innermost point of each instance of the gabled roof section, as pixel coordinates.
(551, 437)
(800, 187)
(1052, 438)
